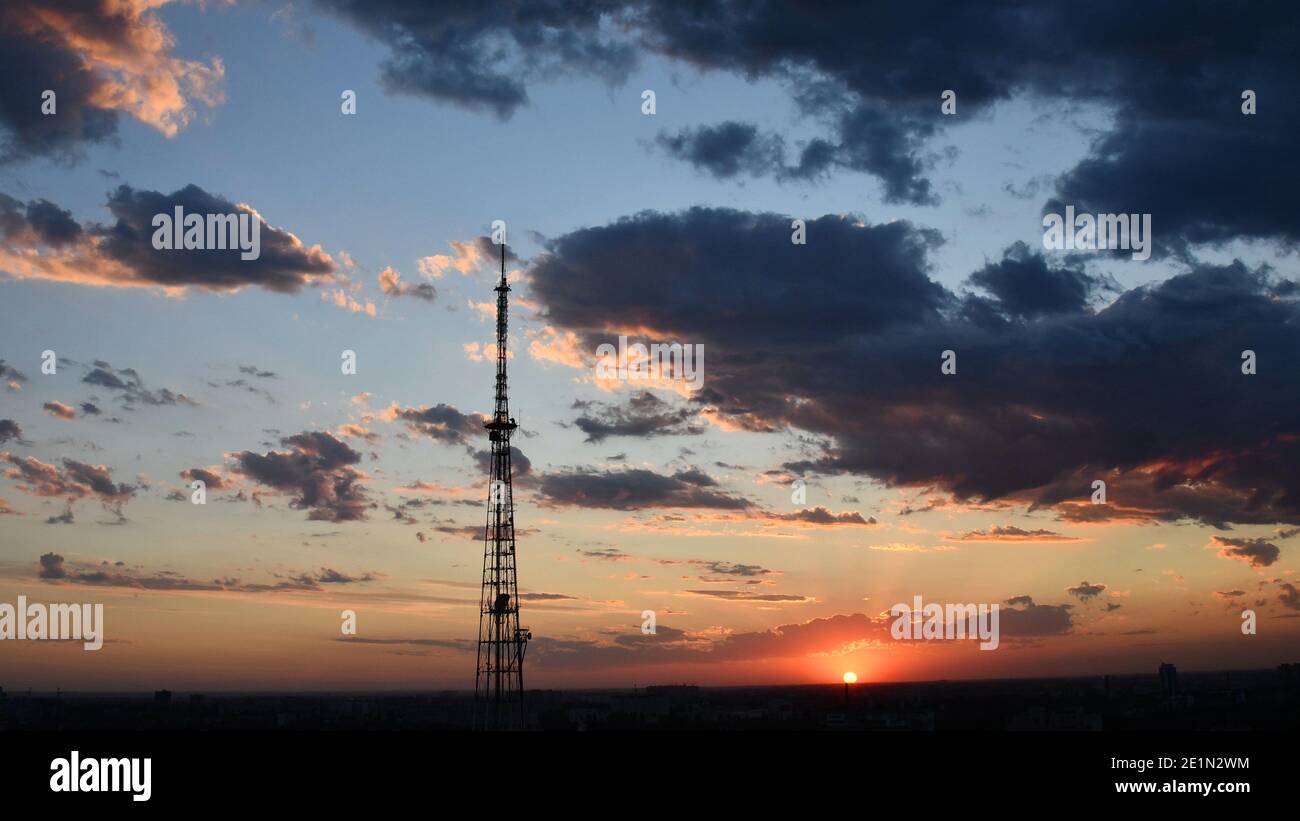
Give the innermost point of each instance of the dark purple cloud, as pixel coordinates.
(318, 472)
(842, 338)
(634, 489)
(643, 415)
(53, 246)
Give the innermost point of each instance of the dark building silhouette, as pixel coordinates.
(1169, 679)
(1259, 699)
(1288, 675)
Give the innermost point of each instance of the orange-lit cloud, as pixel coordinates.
(465, 257)
(342, 297)
(391, 284)
(483, 351)
(1010, 534)
(910, 547)
(127, 52)
(59, 410)
(552, 345)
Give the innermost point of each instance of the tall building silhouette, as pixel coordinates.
(499, 678)
(1169, 679)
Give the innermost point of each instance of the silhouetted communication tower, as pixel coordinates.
(499, 678)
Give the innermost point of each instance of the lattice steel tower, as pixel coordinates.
(499, 678)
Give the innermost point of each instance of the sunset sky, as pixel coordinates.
(367, 492)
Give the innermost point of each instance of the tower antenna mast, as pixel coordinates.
(499, 677)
